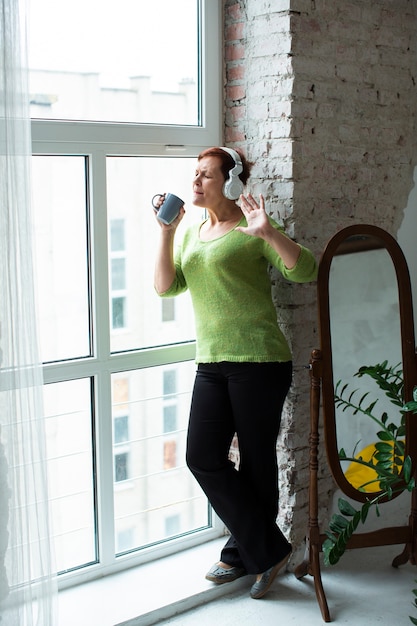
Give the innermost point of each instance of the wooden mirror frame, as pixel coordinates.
(349, 240)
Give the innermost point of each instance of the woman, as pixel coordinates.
(244, 362)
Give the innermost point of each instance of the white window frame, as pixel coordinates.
(154, 139)
(98, 140)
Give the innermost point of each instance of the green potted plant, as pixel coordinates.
(386, 465)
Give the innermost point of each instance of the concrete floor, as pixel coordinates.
(363, 589)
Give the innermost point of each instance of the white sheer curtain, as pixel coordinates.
(27, 584)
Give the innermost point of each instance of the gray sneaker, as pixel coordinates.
(261, 586)
(218, 574)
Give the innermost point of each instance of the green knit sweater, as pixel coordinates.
(231, 293)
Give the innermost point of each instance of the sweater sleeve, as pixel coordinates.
(304, 271)
(179, 284)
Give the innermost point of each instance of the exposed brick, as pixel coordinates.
(234, 31)
(235, 73)
(234, 11)
(234, 135)
(238, 113)
(234, 52)
(235, 92)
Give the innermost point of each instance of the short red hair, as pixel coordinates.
(228, 162)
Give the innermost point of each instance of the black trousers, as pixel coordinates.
(246, 398)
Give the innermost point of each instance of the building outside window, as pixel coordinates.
(121, 436)
(170, 421)
(168, 309)
(118, 373)
(118, 273)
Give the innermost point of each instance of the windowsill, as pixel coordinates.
(145, 595)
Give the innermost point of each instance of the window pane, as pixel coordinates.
(60, 220)
(117, 235)
(136, 61)
(118, 274)
(170, 382)
(131, 184)
(69, 439)
(157, 486)
(121, 469)
(168, 309)
(170, 418)
(118, 313)
(121, 429)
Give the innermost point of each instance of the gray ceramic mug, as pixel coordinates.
(169, 209)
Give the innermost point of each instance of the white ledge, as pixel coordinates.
(147, 594)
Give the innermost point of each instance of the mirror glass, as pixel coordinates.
(365, 331)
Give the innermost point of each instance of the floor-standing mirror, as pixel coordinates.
(365, 317)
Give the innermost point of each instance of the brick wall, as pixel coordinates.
(321, 95)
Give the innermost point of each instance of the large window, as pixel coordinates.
(110, 131)
(86, 55)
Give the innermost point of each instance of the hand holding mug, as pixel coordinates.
(167, 207)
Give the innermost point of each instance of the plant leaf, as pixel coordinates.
(384, 436)
(338, 524)
(364, 511)
(382, 446)
(407, 467)
(399, 447)
(345, 507)
(393, 471)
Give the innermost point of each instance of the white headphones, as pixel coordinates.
(233, 186)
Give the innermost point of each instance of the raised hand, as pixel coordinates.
(260, 226)
(256, 216)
